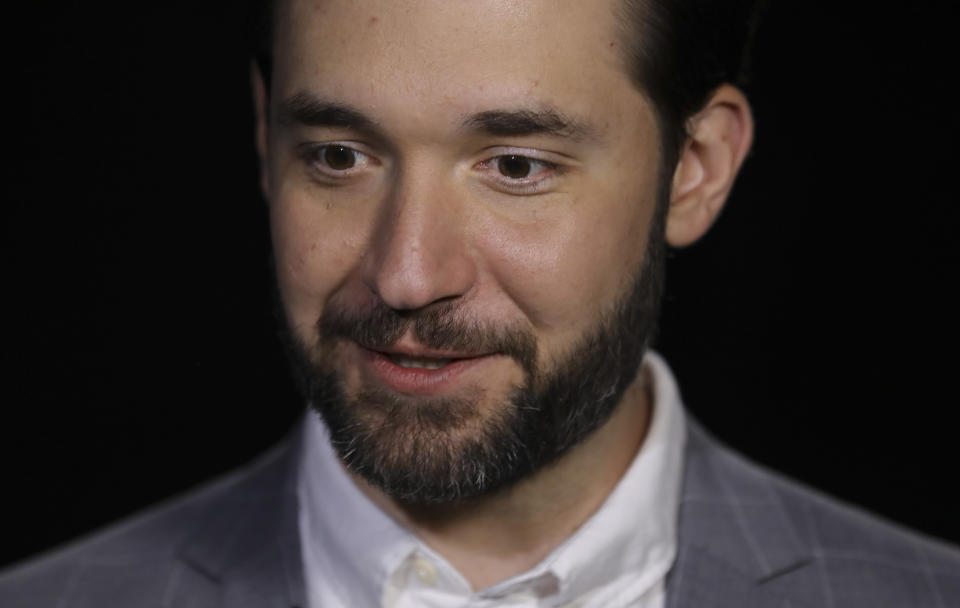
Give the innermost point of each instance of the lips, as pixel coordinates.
(408, 362)
(408, 354)
(415, 370)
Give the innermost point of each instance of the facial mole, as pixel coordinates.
(373, 19)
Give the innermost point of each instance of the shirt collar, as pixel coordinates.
(349, 543)
(627, 545)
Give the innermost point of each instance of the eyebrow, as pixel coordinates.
(306, 109)
(529, 122)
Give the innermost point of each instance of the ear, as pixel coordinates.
(719, 139)
(262, 110)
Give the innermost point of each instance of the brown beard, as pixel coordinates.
(427, 450)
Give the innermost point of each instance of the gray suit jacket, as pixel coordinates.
(748, 538)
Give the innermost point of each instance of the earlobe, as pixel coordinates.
(261, 110)
(719, 139)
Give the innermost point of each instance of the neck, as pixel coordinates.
(492, 538)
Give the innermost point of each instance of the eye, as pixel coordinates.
(333, 160)
(519, 174)
(339, 158)
(514, 166)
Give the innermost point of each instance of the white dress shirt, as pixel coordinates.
(355, 556)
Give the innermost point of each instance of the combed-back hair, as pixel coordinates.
(678, 52)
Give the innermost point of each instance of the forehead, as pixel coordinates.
(424, 60)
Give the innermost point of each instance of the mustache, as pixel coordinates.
(441, 326)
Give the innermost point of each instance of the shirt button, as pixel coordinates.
(425, 571)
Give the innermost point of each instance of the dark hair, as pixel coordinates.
(260, 15)
(679, 52)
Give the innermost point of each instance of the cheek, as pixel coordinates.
(564, 271)
(312, 257)
(560, 273)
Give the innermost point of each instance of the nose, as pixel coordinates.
(418, 253)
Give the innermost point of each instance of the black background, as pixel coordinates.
(814, 328)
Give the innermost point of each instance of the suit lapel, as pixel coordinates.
(247, 548)
(736, 546)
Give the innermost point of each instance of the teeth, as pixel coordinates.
(419, 362)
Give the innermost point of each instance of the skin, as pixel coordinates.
(425, 215)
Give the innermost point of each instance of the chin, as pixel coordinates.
(426, 450)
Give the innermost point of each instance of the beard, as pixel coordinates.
(423, 450)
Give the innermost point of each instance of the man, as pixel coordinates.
(469, 205)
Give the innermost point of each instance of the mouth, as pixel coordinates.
(409, 355)
(416, 370)
(411, 362)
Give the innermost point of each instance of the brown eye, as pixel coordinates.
(339, 158)
(514, 167)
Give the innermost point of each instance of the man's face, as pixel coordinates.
(461, 195)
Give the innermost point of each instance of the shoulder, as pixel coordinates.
(855, 550)
(851, 557)
(138, 561)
